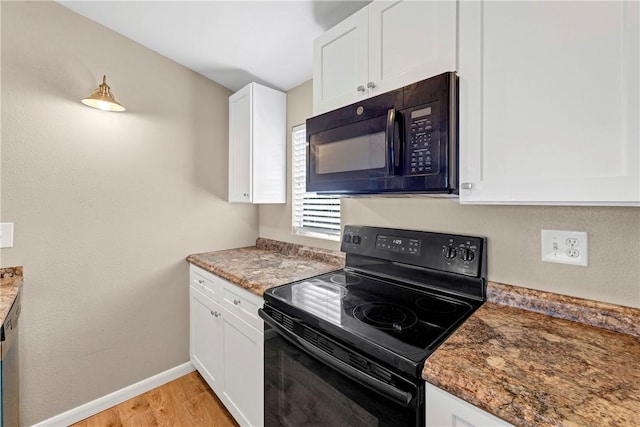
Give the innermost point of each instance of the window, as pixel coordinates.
(313, 215)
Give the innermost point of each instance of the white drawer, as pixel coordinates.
(205, 282)
(243, 304)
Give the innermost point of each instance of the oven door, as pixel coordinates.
(305, 386)
(352, 157)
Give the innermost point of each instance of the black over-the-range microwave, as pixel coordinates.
(403, 141)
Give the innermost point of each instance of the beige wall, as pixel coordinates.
(106, 205)
(513, 233)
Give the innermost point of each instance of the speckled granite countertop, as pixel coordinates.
(10, 283)
(536, 359)
(268, 264)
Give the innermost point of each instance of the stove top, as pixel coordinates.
(400, 295)
(401, 319)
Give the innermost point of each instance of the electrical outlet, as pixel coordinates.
(6, 235)
(565, 247)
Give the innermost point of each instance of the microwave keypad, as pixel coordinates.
(420, 146)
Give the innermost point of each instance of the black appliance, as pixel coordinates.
(403, 141)
(347, 348)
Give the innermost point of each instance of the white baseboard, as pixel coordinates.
(105, 402)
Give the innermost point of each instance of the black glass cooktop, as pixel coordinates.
(407, 321)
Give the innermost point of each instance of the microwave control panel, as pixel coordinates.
(422, 148)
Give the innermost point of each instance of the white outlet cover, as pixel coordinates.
(6, 235)
(565, 247)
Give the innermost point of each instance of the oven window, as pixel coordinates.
(359, 153)
(302, 391)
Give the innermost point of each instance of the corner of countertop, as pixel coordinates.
(268, 264)
(10, 284)
(8, 272)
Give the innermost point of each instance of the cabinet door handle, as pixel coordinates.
(371, 85)
(201, 281)
(236, 302)
(361, 88)
(215, 313)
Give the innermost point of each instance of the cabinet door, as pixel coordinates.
(244, 371)
(410, 41)
(268, 145)
(445, 410)
(240, 155)
(340, 64)
(206, 339)
(549, 102)
(242, 304)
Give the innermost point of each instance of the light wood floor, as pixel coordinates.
(185, 402)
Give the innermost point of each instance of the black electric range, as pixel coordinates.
(400, 295)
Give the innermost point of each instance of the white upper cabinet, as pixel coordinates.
(340, 64)
(410, 41)
(257, 145)
(549, 102)
(384, 46)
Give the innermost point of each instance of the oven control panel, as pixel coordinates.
(438, 251)
(398, 244)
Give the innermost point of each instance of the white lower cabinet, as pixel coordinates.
(227, 344)
(206, 334)
(446, 410)
(243, 348)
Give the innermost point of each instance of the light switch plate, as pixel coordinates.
(565, 247)
(6, 235)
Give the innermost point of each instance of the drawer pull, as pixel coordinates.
(236, 302)
(201, 281)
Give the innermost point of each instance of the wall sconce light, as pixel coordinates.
(102, 98)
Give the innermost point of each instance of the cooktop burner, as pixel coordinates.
(343, 279)
(318, 290)
(383, 315)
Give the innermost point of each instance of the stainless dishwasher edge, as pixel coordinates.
(9, 385)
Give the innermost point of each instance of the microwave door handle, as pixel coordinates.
(393, 147)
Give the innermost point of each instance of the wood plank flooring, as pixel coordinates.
(185, 402)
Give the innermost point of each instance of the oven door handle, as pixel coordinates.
(400, 397)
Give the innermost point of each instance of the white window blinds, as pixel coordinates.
(313, 214)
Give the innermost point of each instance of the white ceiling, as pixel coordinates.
(230, 42)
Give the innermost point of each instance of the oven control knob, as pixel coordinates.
(346, 238)
(468, 255)
(449, 252)
(356, 240)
